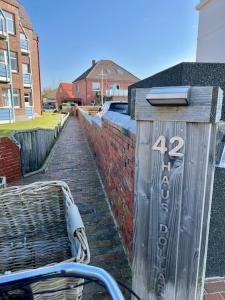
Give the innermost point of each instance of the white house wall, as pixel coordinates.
(211, 35)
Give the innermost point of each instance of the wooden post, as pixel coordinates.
(175, 162)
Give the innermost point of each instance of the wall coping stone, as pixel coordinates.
(91, 118)
(123, 121)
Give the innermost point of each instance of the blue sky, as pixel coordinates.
(143, 36)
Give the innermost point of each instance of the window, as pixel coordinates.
(95, 86)
(3, 56)
(78, 88)
(17, 98)
(26, 68)
(13, 61)
(23, 37)
(10, 20)
(6, 96)
(114, 86)
(28, 99)
(24, 42)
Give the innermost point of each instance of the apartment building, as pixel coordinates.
(20, 87)
(106, 78)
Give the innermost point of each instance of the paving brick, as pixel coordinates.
(214, 296)
(215, 286)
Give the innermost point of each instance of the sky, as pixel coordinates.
(143, 36)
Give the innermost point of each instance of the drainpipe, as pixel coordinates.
(12, 108)
(30, 57)
(39, 70)
(86, 89)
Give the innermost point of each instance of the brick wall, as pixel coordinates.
(9, 159)
(113, 146)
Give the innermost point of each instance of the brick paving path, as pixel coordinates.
(73, 163)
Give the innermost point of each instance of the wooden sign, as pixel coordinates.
(175, 162)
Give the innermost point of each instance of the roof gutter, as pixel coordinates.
(202, 4)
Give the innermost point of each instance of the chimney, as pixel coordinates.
(93, 62)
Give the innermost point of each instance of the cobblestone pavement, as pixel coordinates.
(73, 163)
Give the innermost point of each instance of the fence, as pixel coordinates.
(36, 144)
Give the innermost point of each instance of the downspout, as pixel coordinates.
(86, 89)
(39, 71)
(30, 58)
(12, 108)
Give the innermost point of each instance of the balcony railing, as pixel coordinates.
(116, 93)
(4, 73)
(24, 45)
(27, 80)
(3, 33)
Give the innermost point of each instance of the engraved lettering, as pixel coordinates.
(163, 228)
(162, 241)
(165, 196)
(164, 207)
(165, 180)
(168, 167)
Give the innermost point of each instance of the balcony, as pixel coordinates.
(24, 46)
(3, 33)
(116, 93)
(27, 80)
(4, 73)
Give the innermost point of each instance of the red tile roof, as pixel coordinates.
(68, 88)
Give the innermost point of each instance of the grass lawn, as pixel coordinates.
(47, 120)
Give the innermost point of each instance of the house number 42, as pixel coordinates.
(160, 145)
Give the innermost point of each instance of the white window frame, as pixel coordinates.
(19, 93)
(5, 56)
(9, 98)
(28, 68)
(30, 98)
(15, 58)
(95, 89)
(9, 102)
(10, 17)
(23, 37)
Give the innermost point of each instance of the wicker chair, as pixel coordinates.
(41, 225)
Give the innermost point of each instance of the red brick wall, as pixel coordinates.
(9, 159)
(114, 149)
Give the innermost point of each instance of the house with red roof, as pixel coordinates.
(64, 94)
(103, 77)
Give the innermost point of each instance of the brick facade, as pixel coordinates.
(114, 149)
(9, 159)
(83, 90)
(32, 59)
